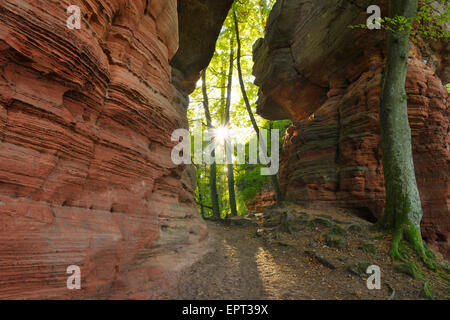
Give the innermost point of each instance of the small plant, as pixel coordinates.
(336, 229)
(369, 248)
(335, 241)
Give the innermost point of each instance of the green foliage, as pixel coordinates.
(429, 22)
(252, 15)
(250, 182)
(397, 23)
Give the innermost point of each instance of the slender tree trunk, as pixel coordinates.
(230, 168)
(212, 168)
(276, 187)
(230, 83)
(200, 199)
(403, 211)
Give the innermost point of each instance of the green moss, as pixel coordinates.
(426, 292)
(443, 275)
(355, 227)
(403, 249)
(410, 269)
(415, 240)
(404, 229)
(430, 253)
(336, 229)
(359, 268)
(335, 241)
(319, 222)
(369, 248)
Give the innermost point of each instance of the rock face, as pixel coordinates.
(263, 200)
(200, 24)
(86, 176)
(313, 69)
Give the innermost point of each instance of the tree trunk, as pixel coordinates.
(274, 178)
(200, 199)
(230, 168)
(212, 168)
(403, 211)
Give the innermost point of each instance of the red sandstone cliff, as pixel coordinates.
(326, 77)
(85, 171)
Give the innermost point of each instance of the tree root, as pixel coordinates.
(409, 233)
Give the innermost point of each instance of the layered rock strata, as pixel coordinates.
(86, 176)
(325, 77)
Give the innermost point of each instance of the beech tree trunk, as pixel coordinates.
(212, 168)
(403, 211)
(230, 167)
(200, 199)
(274, 178)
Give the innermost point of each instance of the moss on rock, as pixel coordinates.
(410, 269)
(359, 268)
(335, 241)
(336, 229)
(319, 222)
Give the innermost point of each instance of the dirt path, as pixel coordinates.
(242, 265)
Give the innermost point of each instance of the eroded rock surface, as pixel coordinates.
(86, 176)
(200, 24)
(263, 200)
(313, 69)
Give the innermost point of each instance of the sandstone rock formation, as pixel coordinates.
(313, 69)
(263, 200)
(200, 25)
(85, 171)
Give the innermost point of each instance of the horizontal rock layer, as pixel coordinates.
(86, 176)
(263, 200)
(313, 69)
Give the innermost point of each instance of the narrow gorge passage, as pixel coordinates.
(220, 149)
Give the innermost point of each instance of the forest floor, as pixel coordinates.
(297, 253)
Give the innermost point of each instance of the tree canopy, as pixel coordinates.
(252, 17)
